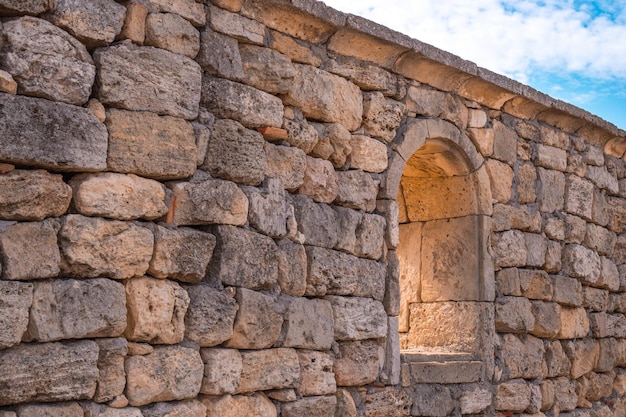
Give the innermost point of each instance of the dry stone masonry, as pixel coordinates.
(270, 208)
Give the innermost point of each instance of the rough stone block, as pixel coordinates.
(266, 69)
(173, 33)
(269, 369)
(80, 146)
(210, 316)
(535, 285)
(514, 315)
(322, 406)
(69, 409)
(244, 258)
(145, 144)
(317, 222)
(187, 408)
(251, 107)
(15, 301)
(578, 196)
(112, 376)
(455, 372)
(156, 311)
(301, 134)
(583, 354)
(257, 325)
(522, 356)
(92, 247)
(601, 177)
(547, 319)
(358, 362)
(475, 400)
(135, 22)
(168, 373)
(222, 371)
(574, 323)
(309, 324)
(432, 400)
(381, 116)
(268, 210)
(336, 141)
(239, 405)
(567, 291)
(48, 372)
(609, 275)
(287, 164)
(368, 154)
(600, 240)
(616, 209)
(607, 357)
(316, 373)
(320, 181)
(597, 299)
(509, 249)
(513, 396)
(21, 7)
(208, 202)
(557, 363)
(292, 268)
(357, 190)
(30, 251)
(582, 263)
(219, 55)
(358, 318)
(236, 26)
(551, 190)
(150, 79)
(501, 180)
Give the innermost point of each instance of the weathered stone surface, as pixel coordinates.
(21, 7)
(505, 143)
(208, 202)
(247, 105)
(536, 247)
(320, 181)
(358, 362)
(292, 268)
(189, 9)
(434, 401)
(522, 356)
(318, 406)
(266, 69)
(501, 180)
(173, 33)
(169, 373)
(188, 408)
(333, 272)
(7, 83)
(317, 222)
(301, 134)
(222, 370)
(326, 97)
(513, 396)
(80, 146)
(381, 116)
(32, 195)
(48, 372)
(257, 325)
(609, 275)
(287, 164)
(475, 400)
(535, 285)
(368, 154)
(210, 316)
(92, 247)
(514, 315)
(69, 409)
(94, 24)
(112, 377)
(316, 373)
(345, 404)
(337, 139)
(181, 253)
(117, 196)
(574, 323)
(244, 258)
(547, 319)
(582, 263)
(269, 369)
(235, 153)
(269, 210)
(76, 309)
(356, 189)
(509, 249)
(219, 55)
(578, 196)
(15, 301)
(33, 47)
(146, 78)
(557, 363)
(239, 405)
(567, 291)
(309, 324)
(616, 209)
(583, 354)
(358, 318)
(134, 27)
(29, 251)
(600, 240)
(156, 311)
(239, 27)
(145, 144)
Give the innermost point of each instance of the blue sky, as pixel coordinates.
(570, 49)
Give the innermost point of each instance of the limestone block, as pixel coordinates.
(219, 54)
(251, 107)
(583, 354)
(436, 104)
(269, 369)
(146, 78)
(322, 406)
(619, 255)
(582, 263)
(301, 134)
(316, 373)
(508, 282)
(188, 408)
(266, 69)
(536, 247)
(309, 324)
(616, 208)
(616, 325)
(222, 371)
(368, 77)
(76, 309)
(29, 251)
(92, 247)
(574, 323)
(332, 272)
(609, 275)
(112, 377)
(389, 209)
(368, 154)
(210, 316)
(48, 372)
(514, 315)
(269, 210)
(236, 26)
(565, 394)
(578, 196)
(208, 202)
(287, 164)
(357, 363)
(575, 229)
(370, 236)
(189, 9)
(292, 268)
(535, 284)
(80, 146)
(547, 319)
(320, 181)
(475, 400)
(15, 301)
(358, 318)
(317, 222)
(117, 196)
(21, 7)
(432, 400)
(169, 373)
(507, 217)
(69, 409)
(156, 311)
(501, 180)
(142, 143)
(551, 190)
(526, 186)
(482, 139)
(135, 22)
(553, 257)
(598, 322)
(244, 258)
(550, 157)
(557, 363)
(345, 404)
(513, 396)
(522, 356)
(239, 405)
(32, 195)
(348, 223)
(607, 357)
(173, 33)
(600, 240)
(597, 299)
(257, 325)
(509, 249)
(555, 228)
(338, 138)
(326, 97)
(603, 178)
(505, 143)
(381, 116)
(288, 46)
(357, 190)
(181, 253)
(7, 83)
(33, 47)
(567, 291)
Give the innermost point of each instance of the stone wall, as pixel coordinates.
(246, 207)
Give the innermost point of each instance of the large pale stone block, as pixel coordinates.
(453, 372)
(302, 135)
(509, 249)
(92, 247)
(557, 363)
(76, 309)
(550, 157)
(222, 371)
(321, 406)
(168, 373)
(146, 78)
(381, 116)
(239, 405)
(210, 316)
(244, 258)
(236, 26)
(475, 400)
(269, 369)
(616, 209)
(574, 323)
(578, 196)
(15, 301)
(514, 315)
(334, 143)
(292, 268)
(287, 164)
(32, 195)
(320, 181)
(189, 9)
(142, 143)
(257, 325)
(432, 401)
(535, 284)
(357, 190)
(501, 180)
(551, 190)
(567, 291)
(504, 143)
(156, 311)
(268, 210)
(326, 97)
(358, 362)
(48, 372)
(30, 251)
(219, 54)
(316, 373)
(309, 324)
(368, 154)
(547, 319)
(384, 402)
(358, 318)
(80, 146)
(600, 240)
(266, 69)
(46, 61)
(522, 356)
(21, 7)
(581, 263)
(513, 396)
(117, 196)
(173, 33)
(317, 222)
(112, 376)
(69, 409)
(187, 408)
(583, 354)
